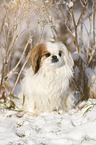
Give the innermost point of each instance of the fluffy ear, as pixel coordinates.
(35, 57)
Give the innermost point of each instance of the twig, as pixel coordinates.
(89, 37)
(82, 13)
(76, 24)
(18, 61)
(2, 24)
(51, 22)
(12, 45)
(93, 52)
(93, 9)
(94, 43)
(42, 30)
(18, 77)
(73, 37)
(76, 36)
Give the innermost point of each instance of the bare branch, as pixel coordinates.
(94, 10)
(18, 61)
(82, 13)
(18, 77)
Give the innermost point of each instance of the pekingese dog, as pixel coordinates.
(46, 82)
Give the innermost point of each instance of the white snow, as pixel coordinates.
(75, 56)
(91, 73)
(73, 128)
(70, 4)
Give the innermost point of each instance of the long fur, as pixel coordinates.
(47, 89)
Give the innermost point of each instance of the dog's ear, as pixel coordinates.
(35, 57)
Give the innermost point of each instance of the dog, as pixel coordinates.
(45, 86)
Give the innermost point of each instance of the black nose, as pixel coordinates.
(54, 59)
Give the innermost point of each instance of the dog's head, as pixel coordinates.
(49, 55)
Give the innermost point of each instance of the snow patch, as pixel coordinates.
(74, 127)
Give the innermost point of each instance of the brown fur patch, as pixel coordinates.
(35, 56)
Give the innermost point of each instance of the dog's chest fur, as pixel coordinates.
(48, 87)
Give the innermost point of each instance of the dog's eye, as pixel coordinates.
(60, 53)
(47, 54)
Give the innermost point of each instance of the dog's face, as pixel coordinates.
(54, 57)
(49, 55)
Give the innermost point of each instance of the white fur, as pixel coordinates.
(48, 89)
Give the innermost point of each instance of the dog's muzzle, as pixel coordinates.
(54, 59)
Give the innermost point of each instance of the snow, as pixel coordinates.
(70, 4)
(77, 127)
(91, 73)
(75, 56)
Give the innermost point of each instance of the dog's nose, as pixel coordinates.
(54, 59)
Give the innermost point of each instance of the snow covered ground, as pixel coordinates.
(73, 128)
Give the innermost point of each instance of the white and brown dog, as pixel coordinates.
(46, 82)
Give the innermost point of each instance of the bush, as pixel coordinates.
(23, 24)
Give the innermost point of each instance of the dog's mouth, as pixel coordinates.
(57, 64)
